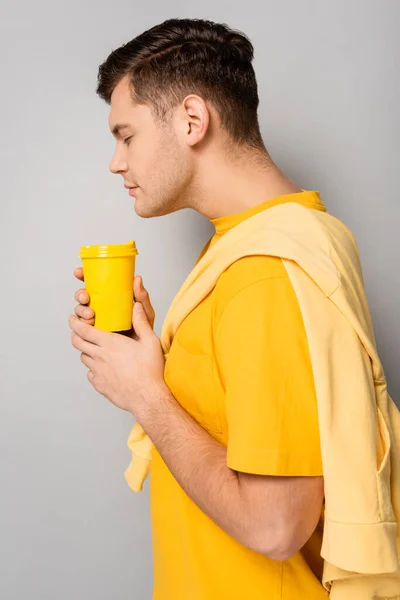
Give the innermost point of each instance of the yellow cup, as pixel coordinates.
(109, 271)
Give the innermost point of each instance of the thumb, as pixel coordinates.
(140, 321)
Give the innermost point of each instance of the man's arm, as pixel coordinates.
(271, 515)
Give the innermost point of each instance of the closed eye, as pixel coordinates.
(126, 140)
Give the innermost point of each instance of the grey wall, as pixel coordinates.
(328, 79)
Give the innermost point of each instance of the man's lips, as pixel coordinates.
(132, 189)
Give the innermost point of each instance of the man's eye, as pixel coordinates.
(126, 140)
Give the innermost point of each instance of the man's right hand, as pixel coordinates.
(86, 314)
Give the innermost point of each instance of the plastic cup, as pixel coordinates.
(109, 271)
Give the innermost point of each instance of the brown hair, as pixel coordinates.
(190, 56)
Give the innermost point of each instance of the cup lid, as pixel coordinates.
(109, 250)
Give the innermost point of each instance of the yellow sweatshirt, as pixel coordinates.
(359, 422)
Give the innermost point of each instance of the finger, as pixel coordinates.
(84, 312)
(87, 361)
(90, 334)
(82, 296)
(79, 273)
(80, 344)
(90, 322)
(142, 296)
(137, 283)
(141, 324)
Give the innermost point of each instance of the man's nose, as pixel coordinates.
(118, 164)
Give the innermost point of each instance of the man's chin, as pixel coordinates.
(147, 212)
(144, 211)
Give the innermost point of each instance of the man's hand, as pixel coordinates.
(126, 371)
(86, 314)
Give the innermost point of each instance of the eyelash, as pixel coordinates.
(127, 139)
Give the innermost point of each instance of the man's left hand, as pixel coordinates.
(126, 371)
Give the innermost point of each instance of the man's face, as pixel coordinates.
(149, 156)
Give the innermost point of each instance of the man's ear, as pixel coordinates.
(196, 117)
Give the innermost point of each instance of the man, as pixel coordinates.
(236, 481)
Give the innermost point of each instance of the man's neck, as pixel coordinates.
(229, 189)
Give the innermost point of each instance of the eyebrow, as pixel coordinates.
(116, 129)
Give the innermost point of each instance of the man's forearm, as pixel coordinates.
(198, 463)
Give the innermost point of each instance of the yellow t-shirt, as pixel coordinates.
(239, 364)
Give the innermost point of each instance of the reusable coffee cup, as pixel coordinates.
(109, 271)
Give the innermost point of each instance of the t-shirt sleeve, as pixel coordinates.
(264, 361)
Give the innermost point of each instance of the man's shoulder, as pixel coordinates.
(245, 272)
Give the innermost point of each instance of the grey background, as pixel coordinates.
(328, 80)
